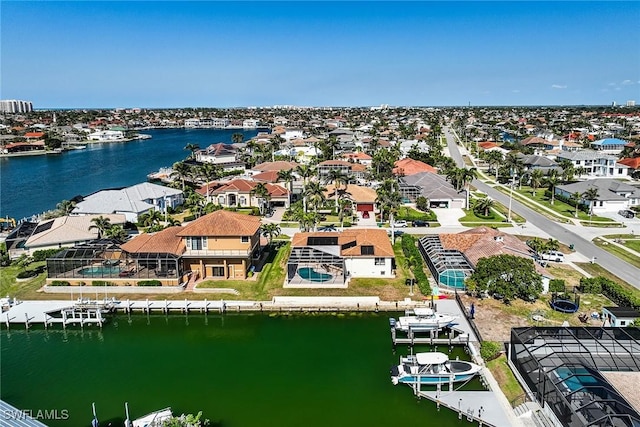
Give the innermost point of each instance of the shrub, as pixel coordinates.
(409, 249)
(591, 285)
(59, 283)
(26, 274)
(189, 218)
(102, 283)
(556, 285)
(149, 283)
(43, 254)
(489, 350)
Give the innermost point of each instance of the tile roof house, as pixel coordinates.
(220, 154)
(462, 251)
(330, 259)
(240, 193)
(66, 231)
(220, 245)
(363, 198)
(280, 165)
(409, 166)
(436, 188)
(358, 157)
(355, 169)
(632, 163)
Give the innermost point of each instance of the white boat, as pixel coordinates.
(154, 419)
(424, 319)
(432, 368)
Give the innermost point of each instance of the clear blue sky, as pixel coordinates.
(226, 54)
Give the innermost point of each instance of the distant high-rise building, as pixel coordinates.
(15, 106)
(631, 103)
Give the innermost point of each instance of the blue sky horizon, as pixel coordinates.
(168, 54)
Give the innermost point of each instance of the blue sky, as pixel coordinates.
(227, 54)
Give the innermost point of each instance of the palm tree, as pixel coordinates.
(262, 194)
(315, 192)
(485, 204)
(117, 232)
(65, 207)
(287, 177)
(410, 263)
(337, 177)
(575, 198)
(389, 200)
(305, 172)
(209, 172)
(591, 195)
(270, 230)
(494, 158)
(237, 138)
(535, 180)
(552, 181)
(454, 175)
(568, 170)
(467, 177)
(100, 223)
(181, 170)
(193, 148)
(150, 219)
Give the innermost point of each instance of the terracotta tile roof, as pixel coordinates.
(245, 186)
(165, 241)
(358, 155)
(408, 166)
(483, 242)
(275, 166)
(222, 223)
(487, 144)
(534, 140)
(34, 134)
(633, 163)
(356, 193)
(268, 176)
(375, 237)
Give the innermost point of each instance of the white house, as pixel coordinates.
(331, 258)
(291, 134)
(131, 201)
(106, 136)
(217, 154)
(619, 316)
(595, 164)
(250, 123)
(613, 195)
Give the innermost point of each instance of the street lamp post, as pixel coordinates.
(513, 180)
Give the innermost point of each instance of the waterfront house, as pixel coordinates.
(217, 154)
(436, 188)
(106, 136)
(66, 231)
(332, 258)
(452, 257)
(240, 193)
(609, 145)
(130, 201)
(595, 164)
(613, 195)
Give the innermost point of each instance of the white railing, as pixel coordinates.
(218, 252)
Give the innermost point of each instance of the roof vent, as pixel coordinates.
(498, 239)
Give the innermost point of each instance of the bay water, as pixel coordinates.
(240, 370)
(30, 185)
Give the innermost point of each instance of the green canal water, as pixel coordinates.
(240, 370)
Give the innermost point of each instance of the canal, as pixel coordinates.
(240, 370)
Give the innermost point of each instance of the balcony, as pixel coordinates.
(233, 253)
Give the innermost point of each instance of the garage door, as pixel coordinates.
(362, 207)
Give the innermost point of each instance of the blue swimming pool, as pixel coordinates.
(576, 378)
(100, 271)
(310, 274)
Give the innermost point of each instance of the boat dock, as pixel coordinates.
(49, 313)
(474, 406)
(14, 417)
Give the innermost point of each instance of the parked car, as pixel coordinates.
(420, 223)
(627, 213)
(400, 224)
(552, 256)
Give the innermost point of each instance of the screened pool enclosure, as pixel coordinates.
(448, 266)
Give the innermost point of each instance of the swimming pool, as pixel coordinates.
(310, 274)
(100, 271)
(576, 378)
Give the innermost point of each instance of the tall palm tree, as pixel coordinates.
(551, 245)
(117, 232)
(209, 172)
(182, 171)
(151, 219)
(535, 180)
(270, 230)
(591, 195)
(454, 175)
(389, 200)
(262, 194)
(552, 181)
(575, 198)
(305, 172)
(287, 177)
(65, 207)
(494, 158)
(100, 223)
(467, 177)
(337, 177)
(193, 148)
(315, 194)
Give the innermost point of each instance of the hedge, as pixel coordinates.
(612, 290)
(410, 249)
(59, 283)
(102, 283)
(43, 254)
(489, 350)
(26, 274)
(557, 285)
(149, 283)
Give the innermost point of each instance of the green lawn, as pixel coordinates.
(472, 220)
(21, 290)
(505, 378)
(630, 241)
(409, 214)
(560, 207)
(618, 251)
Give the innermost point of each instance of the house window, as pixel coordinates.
(382, 273)
(619, 171)
(243, 201)
(221, 200)
(366, 250)
(379, 261)
(197, 243)
(244, 239)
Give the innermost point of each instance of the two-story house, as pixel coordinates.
(356, 170)
(595, 164)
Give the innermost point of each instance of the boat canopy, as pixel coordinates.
(432, 358)
(423, 311)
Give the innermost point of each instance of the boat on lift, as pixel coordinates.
(425, 319)
(432, 368)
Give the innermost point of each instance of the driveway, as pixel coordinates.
(449, 217)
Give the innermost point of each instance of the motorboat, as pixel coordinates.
(432, 368)
(424, 319)
(154, 419)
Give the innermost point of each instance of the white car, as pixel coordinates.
(400, 224)
(552, 256)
